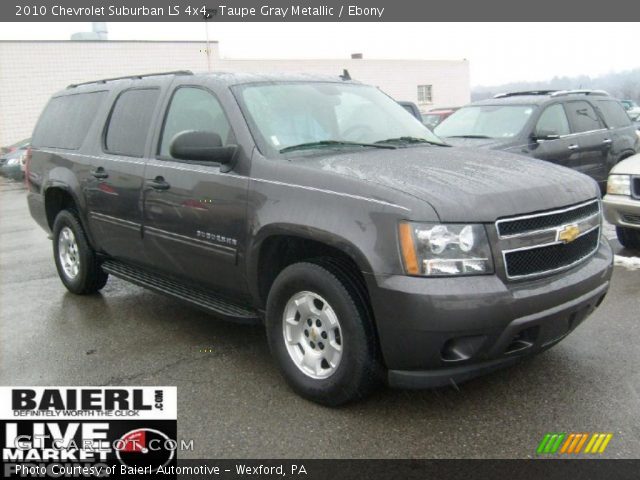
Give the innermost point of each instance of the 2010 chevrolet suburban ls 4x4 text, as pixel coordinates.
(371, 250)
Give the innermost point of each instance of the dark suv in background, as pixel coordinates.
(586, 130)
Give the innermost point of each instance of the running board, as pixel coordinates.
(197, 297)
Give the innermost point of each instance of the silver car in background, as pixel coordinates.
(622, 201)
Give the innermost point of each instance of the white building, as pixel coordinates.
(30, 71)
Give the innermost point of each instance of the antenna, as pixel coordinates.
(345, 75)
(208, 47)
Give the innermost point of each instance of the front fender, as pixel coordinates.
(357, 217)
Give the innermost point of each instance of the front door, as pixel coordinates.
(195, 212)
(551, 138)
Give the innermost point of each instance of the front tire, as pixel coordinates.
(628, 237)
(321, 335)
(76, 261)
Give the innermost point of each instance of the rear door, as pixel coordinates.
(116, 177)
(590, 139)
(621, 129)
(195, 212)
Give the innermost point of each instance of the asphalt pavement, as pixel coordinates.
(233, 403)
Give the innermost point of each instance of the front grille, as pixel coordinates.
(550, 258)
(635, 189)
(542, 221)
(547, 242)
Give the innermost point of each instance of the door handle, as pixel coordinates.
(607, 141)
(158, 183)
(573, 147)
(99, 173)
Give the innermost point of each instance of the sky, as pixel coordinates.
(498, 52)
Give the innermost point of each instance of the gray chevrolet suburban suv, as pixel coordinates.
(371, 250)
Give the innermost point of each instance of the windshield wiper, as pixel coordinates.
(332, 143)
(408, 140)
(468, 136)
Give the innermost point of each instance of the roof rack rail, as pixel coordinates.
(133, 77)
(580, 92)
(526, 92)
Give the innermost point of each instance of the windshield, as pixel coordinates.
(486, 121)
(284, 115)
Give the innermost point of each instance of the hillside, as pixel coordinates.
(620, 85)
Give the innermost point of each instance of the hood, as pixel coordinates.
(463, 185)
(629, 166)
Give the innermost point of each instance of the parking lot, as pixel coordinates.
(233, 403)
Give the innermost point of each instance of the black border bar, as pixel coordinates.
(318, 11)
(530, 469)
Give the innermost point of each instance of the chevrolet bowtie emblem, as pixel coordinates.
(568, 233)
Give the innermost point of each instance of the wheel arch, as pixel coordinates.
(277, 246)
(62, 191)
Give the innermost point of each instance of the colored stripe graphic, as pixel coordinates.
(582, 442)
(606, 442)
(573, 443)
(598, 442)
(550, 443)
(543, 443)
(557, 443)
(568, 443)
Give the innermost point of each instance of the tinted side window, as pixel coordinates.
(66, 120)
(130, 122)
(193, 109)
(553, 121)
(583, 117)
(614, 114)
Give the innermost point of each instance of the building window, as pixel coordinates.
(425, 93)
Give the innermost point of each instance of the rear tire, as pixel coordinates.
(76, 261)
(321, 335)
(628, 237)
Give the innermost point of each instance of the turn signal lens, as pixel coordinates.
(408, 248)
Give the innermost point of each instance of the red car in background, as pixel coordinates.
(434, 117)
(16, 146)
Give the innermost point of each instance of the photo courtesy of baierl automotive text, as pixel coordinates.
(319, 240)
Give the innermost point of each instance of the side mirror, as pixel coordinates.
(544, 135)
(201, 146)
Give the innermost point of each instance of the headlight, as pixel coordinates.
(619, 185)
(430, 249)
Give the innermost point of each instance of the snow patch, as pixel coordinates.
(632, 263)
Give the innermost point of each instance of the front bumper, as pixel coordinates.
(622, 210)
(435, 330)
